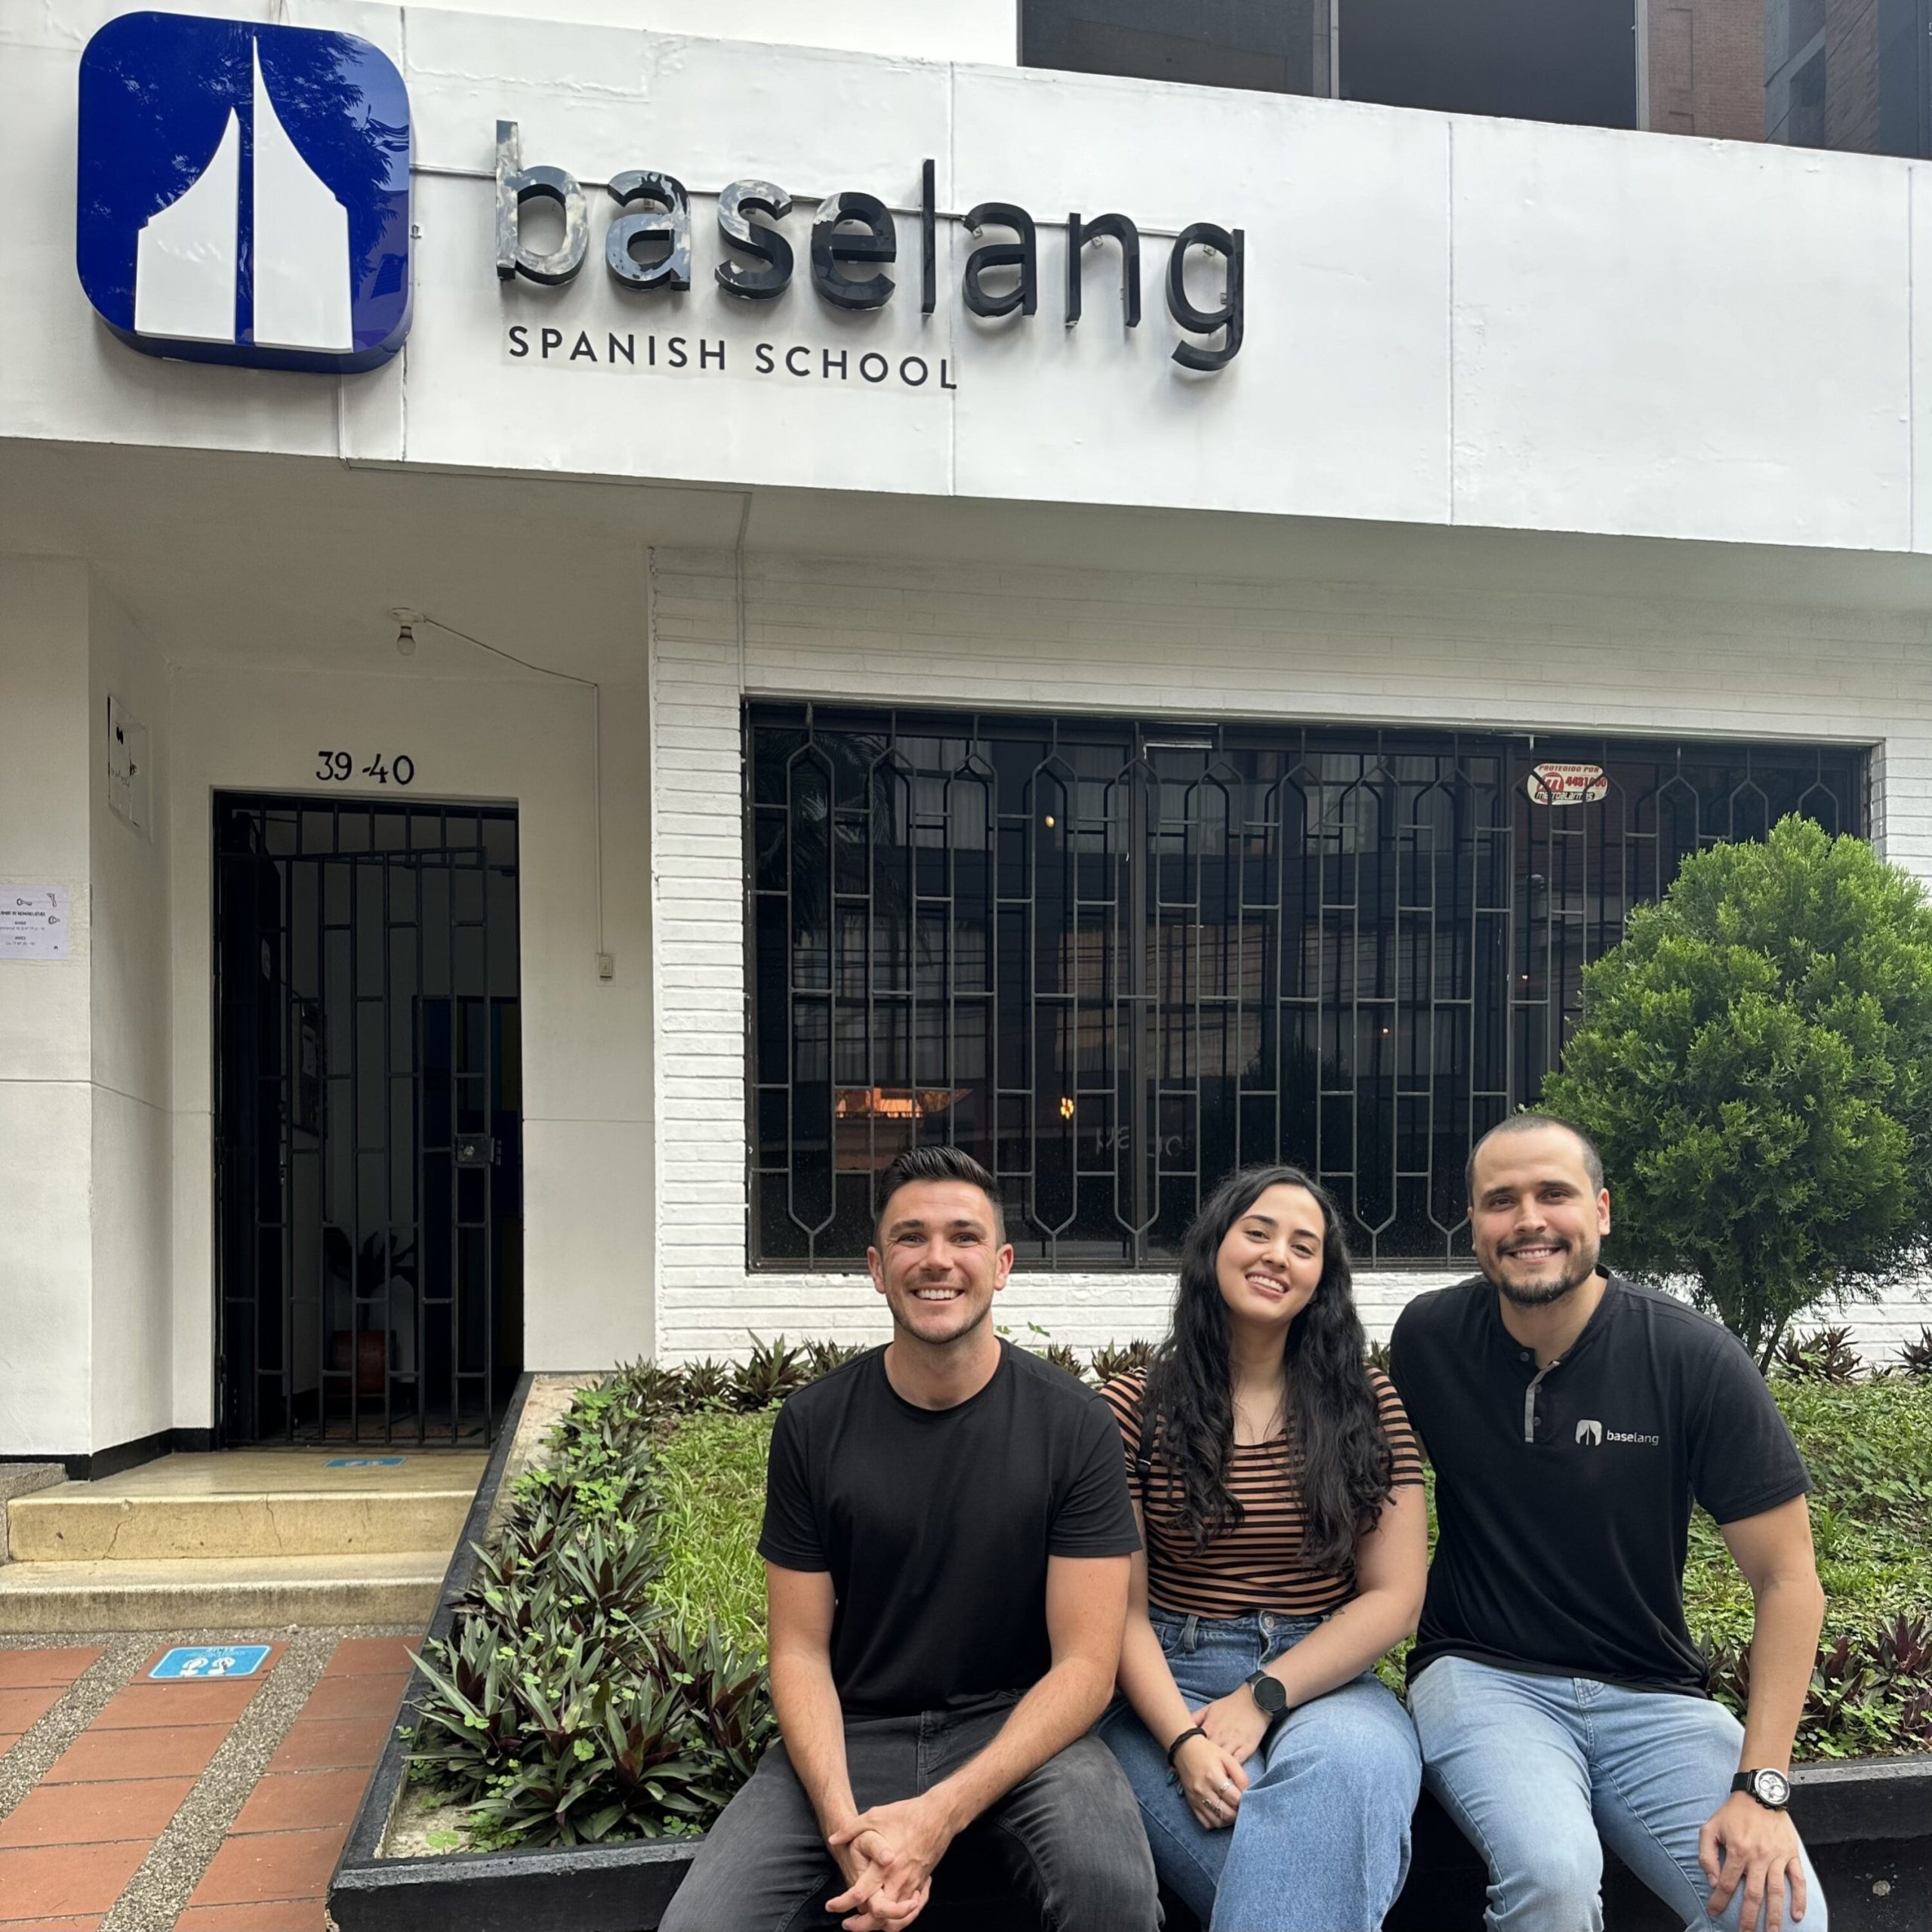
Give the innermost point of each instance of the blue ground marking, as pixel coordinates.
(365, 1462)
(200, 1662)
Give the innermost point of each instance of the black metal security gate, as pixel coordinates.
(1115, 960)
(369, 1170)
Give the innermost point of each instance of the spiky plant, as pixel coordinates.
(1121, 1358)
(821, 1358)
(1827, 1356)
(650, 1390)
(1063, 1356)
(768, 1375)
(707, 1385)
(1915, 1358)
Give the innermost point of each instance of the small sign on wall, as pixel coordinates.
(33, 923)
(1567, 785)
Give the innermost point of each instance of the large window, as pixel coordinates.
(1114, 960)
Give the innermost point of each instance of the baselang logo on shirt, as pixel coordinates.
(244, 193)
(1591, 1433)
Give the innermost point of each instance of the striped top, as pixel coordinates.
(1257, 1565)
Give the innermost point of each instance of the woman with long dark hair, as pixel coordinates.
(1279, 1493)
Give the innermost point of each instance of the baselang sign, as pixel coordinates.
(245, 197)
(853, 242)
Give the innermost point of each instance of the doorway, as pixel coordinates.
(368, 1085)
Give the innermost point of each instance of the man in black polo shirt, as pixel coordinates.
(1572, 1417)
(947, 1532)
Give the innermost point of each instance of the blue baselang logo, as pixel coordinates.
(245, 193)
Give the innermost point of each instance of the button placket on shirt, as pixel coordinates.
(1529, 1392)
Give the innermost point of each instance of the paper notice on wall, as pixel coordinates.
(33, 923)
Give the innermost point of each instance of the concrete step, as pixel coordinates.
(73, 1524)
(261, 1503)
(220, 1593)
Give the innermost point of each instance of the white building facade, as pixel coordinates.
(824, 725)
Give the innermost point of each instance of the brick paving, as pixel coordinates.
(104, 1829)
(32, 1682)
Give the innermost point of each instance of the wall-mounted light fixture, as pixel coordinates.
(405, 636)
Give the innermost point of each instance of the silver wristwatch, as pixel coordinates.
(1772, 1789)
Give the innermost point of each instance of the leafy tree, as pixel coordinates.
(1754, 1060)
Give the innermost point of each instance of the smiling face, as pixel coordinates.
(939, 1260)
(1270, 1261)
(1536, 1220)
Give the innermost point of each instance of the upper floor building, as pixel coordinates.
(1437, 316)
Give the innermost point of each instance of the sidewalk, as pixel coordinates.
(129, 1805)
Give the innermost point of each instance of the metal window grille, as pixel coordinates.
(368, 1079)
(1114, 960)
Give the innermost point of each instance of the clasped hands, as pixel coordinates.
(887, 1855)
(1210, 1769)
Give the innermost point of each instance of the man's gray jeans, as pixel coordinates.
(1068, 1838)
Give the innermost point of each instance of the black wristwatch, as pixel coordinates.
(1772, 1789)
(1267, 1692)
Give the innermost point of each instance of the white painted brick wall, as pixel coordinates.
(1032, 638)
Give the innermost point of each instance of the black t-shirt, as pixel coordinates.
(936, 1524)
(1563, 1499)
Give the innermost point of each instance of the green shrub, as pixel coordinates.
(568, 1704)
(1871, 1694)
(1868, 1445)
(1754, 1060)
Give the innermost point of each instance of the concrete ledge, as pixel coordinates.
(1875, 1886)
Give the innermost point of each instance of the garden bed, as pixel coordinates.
(416, 1861)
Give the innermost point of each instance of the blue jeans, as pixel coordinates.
(1320, 1843)
(1541, 1772)
(1066, 1839)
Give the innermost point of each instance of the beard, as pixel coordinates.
(904, 1327)
(1574, 1269)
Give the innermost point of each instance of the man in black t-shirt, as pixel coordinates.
(947, 1539)
(1572, 1417)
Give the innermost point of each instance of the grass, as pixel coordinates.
(709, 1473)
(1867, 1444)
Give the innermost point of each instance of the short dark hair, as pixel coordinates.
(1528, 1124)
(937, 1163)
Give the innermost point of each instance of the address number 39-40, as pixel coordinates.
(338, 767)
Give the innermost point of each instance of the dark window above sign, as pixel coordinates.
(1569, 61)
(1575, 61)
(1752, 70)
(1266, 46)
